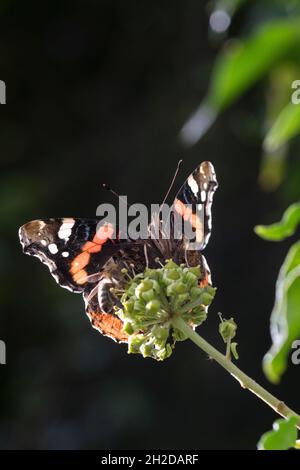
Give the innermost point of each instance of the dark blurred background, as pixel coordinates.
(99, 91)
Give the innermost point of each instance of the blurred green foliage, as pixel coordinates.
(269, 50)
(285, 317)
(247, 59)
(286, 126)
(244, 62)
(283, 436)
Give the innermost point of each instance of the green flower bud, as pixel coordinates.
(211, 290)
(146, 350)
(190, 278)
(153, 306)
(180, 300)
(196, 271)
(143, 286)
(206, 298)
(148, 295)
(161, 333)
(155, 285)
(227, 329)
(176, 288)
(152, 273)
(199, 315)
(164, 353)
(178, 335)
(134, 343)
(170, 264)
(128, 328)
(173, 274)
(196, 292)
(166, 279)
(129, 306)
(139, 305)
(179, 288)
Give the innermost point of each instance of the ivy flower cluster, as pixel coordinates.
(150, 301)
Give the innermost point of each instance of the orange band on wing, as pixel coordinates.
(80, 277)
(187, 214)
(91, 247)
(102, 235)
(95, 246)
(80, 262)
(181, 208)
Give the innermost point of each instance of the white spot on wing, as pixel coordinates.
(65, 254)
(65, 230)
(193, 185)
(53, 248)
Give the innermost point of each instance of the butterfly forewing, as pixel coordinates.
(194, 200)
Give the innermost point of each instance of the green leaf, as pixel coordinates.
(273, 163)
(286, 126)
(283, 436)
(243, 63)
(272, 169)
(233, 348)
(285, 317)
(239, 66)
(283, 229)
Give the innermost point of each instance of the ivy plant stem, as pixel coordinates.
(245, 381)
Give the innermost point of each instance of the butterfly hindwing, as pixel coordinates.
(106, 322)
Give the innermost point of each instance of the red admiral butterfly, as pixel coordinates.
(88, 258)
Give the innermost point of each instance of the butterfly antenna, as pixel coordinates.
(108, 188)
(172, 183)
